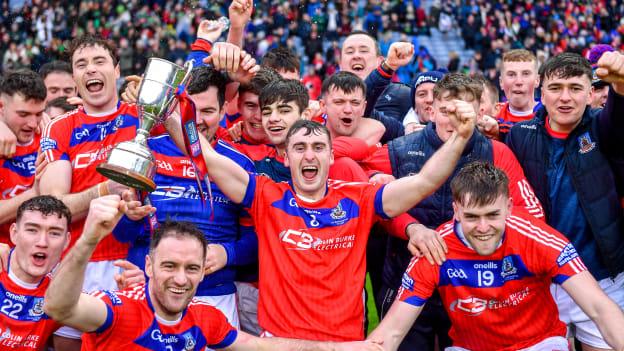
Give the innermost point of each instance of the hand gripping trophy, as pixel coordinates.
(131, 163)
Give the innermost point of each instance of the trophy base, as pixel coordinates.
(126, 177)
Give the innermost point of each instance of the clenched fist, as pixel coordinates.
(399, 55)
(463, 117)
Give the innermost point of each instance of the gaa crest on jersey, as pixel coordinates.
(585, 143)
(117, 123)
(189, 342)
(338, 213)
(508, 267)
(37, 308)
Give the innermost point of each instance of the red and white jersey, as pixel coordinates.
(23, 325)
(86, 141)
(507, 119)
(131, 325)
(312, 257)
(17, 174)
(501, 301)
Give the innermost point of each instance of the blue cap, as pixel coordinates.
(425, 77)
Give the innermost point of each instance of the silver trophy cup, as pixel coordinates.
(131, 163)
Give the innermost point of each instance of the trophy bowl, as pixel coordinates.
(131, 163)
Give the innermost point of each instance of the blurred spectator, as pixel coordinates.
(35, 32)
(544, 27)
(312, 82)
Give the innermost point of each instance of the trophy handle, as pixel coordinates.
(188, 67)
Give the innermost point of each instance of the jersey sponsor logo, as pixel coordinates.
(173, 192)
(5, 334)
(528, 126)
(84, 160)
(47, 144)
(407, 282)
(585, 143)
(474, 306)
(14, 191)
(471, 305)
(456, 273)
(301, 240)
(416, 153)
(13, 341)
(567, 254)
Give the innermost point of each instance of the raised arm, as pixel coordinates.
(239, 13)
(403, 194)
(64, 301)
(607, 315)
(231, 178)
(56, 181)
(611, 124)
(399, 55)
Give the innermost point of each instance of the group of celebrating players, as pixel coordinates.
(505, 221)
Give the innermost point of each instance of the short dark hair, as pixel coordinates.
(60, 102)
(25, 82)
(261, 79)
(311, 127)
(177, 230)
(487, 85)
(482, 181)
(90, 40)
(281, 59)
(345, 81)
(204, 77)
(47, 205)
(285, 90)
(53, 67)
(566, 65)
(377, 47)
(457, 84)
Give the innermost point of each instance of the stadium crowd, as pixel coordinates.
(314, 145)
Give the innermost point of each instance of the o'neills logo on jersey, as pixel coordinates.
(301, 240)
